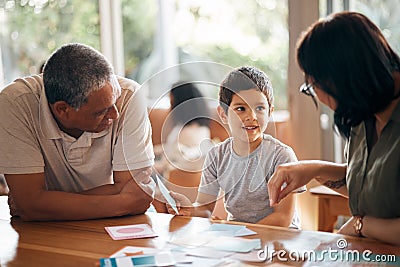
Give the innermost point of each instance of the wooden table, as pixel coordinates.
(83, 243)
(330, 205)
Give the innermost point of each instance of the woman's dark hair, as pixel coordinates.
(188, 105)
(347, 56)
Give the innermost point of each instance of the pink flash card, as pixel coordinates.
(130, 231)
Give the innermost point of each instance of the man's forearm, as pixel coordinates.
(108, 189)
(34, 202)
(120, 180)
(55, 205)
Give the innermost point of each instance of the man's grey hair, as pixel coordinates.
(73, 72)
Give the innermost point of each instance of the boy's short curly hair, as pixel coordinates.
(244, 78)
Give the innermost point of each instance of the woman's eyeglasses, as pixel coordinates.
(308, 89)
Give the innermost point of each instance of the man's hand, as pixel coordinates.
(136, 199)
(143, 179)
(138, 192)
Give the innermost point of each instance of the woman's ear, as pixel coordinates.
(222, 115)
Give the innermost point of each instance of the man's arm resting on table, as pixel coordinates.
(283, 212)
(34, 202)
(120, 181)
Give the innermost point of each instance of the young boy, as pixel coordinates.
(242, 165)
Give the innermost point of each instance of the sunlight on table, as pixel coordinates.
(8, 244)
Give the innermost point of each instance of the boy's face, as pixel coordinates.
(247, 117)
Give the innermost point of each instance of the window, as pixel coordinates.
(221, 34)
(385, 14)
(162, 33)
(31, 30)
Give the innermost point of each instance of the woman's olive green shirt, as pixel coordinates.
(373, 179)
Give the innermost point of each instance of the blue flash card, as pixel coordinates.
(144, 261)
(160, 259)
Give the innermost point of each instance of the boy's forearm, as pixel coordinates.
(283, 213)
(277, 219)
(201, 211)
(204, 205)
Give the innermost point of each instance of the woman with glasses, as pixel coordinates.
(351, 68)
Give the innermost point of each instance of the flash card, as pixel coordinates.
(160, 259)
(130, 231)
(166, 195)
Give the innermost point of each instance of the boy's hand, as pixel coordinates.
(183, 204)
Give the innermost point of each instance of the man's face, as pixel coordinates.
(99, 112)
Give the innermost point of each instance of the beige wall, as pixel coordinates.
(304, 118)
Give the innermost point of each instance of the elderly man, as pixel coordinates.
(76, 141)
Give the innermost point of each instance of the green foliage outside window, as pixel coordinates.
(34, 29)
(255, 33)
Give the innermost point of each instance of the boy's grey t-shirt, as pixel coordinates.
(244, 179)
